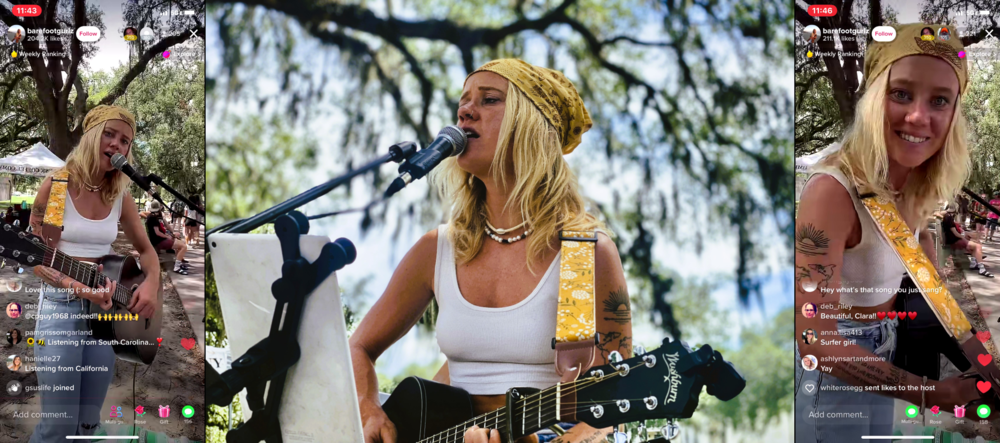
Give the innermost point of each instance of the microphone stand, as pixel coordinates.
(269, 360)
(156, 179)
(397, 153)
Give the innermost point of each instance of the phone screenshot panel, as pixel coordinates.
(102, 158)
(897, 108)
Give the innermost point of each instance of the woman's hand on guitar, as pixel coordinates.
(101, 294)
(475, 434)
(144, 300)
(377, 426)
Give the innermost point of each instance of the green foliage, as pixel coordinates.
(253, 166)
(981, 106)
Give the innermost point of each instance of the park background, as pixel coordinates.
(45, 100)
(689, 160)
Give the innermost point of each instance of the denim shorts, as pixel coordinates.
(91, 367)
(843, 397)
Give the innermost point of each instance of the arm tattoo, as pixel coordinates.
(54, 277)
(606, 346)
(38, 210)
(811, 241)
(619, 306)
(814, 276)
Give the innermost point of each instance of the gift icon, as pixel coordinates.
(164, 411)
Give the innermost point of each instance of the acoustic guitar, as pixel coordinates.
(665, 383)
(132, 337)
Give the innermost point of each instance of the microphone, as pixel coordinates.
(121, 163)
(450, 141)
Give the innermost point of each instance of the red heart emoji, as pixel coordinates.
(892, 315)
(881, 315)
(983, 386)
(983, 336)
(902, 315)
(187, 343)
(159, 339)
(985, 359)
(912, 315)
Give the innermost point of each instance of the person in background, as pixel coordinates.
(164, 239)
(958, 240)
(191, 224)
(992, 218)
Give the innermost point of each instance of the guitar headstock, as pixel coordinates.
(20, 246)
(664, 383)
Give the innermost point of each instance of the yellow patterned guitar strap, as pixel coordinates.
(920, 269)
(52, 224)
(576, 319)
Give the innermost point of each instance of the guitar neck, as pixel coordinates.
(85, 273)
(531, 414)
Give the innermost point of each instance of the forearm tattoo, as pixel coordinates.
(54, 277)
(868, 374)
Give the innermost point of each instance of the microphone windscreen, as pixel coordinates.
(118, 161)
(457, 137)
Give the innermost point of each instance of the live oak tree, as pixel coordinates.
(827, 88)
(54, 112)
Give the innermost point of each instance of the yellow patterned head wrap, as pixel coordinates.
(551, 92)
(103, 113)
(880, 55)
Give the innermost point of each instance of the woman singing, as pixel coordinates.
(96, 202)
(493, 268)
(907, 144)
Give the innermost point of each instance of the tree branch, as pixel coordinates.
(140, 66)
(76, 50)
(11, 85)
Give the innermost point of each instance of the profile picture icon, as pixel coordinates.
(809, 363)
(131, 34)
(16, 34)
(811, 34)
(943, 34)
(14, 310)
(14, 285)
(809, 310)
(809, 336)
(14, 362)
(927, 34)
(146, 34)
(13, 336)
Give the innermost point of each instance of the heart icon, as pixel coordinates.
(902, 315)
(985, 359)
(881, 315)
(187, 343)
(159, 340)
(892, 315)
(983, 386)
(912, 315)
(809, 388)
(983, 336)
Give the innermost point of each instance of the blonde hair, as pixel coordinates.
(864, 157)
(545, 190)
(84, 162)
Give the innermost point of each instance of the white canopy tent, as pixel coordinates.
(38, 161)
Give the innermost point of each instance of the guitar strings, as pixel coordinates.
(89, 271)
(543, 395)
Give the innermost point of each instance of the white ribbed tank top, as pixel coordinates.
(490, 350)
(83, 237)
(871, 273)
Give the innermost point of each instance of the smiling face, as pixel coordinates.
(480, 112)
(13, 310)
(116, 138)
(921, 97)
(809, 310)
